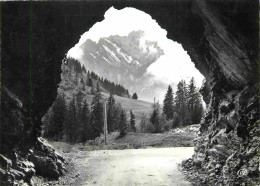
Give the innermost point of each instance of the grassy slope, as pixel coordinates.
(70, 89)
(137, 106)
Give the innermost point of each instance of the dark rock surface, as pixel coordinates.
(227, 153)
(47, 163)
(20, 156)
(221, 38)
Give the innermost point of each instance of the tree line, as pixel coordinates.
(78, 121)
(182, 108)
(93, 80)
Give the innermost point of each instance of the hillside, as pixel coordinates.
(137, 106)
(74, 82)
(74, 76)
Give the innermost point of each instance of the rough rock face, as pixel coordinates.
(221, 38)
(20, 156)
(226, 150)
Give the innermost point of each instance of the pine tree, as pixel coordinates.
(48, 124)
(79, 121)
(92, 91)
(70, 122)
(181, 104)
(117, 112)
(58, 110)
(163, 122)
(192, 94)
(110, 113)
(122, 123)
(96, 115)
(135, 96)
(86, 132)
(154, 119)
(194, 102)
(83, 69)
(168, 104)
(81, 81)
(132, 121)
(98, 88)
(79, 98)
(176, 120)
(90, 83)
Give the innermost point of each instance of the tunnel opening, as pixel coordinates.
(126, 54)
(157, 50)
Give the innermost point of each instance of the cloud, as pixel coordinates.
(174, 65)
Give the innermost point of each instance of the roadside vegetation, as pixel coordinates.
(77, 117)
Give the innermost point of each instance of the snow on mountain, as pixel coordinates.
(122, 59)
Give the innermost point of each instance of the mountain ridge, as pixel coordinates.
(122, 59)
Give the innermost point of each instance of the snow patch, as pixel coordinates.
(111, 53)
(117, 48)
(106, 60)
(93, 55)
(136, 62)
(125, 56)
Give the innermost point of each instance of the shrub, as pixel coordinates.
(166, 127)
(149, 128)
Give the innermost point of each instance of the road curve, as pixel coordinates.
(157, 166)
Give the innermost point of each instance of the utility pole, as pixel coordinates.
(105, 121)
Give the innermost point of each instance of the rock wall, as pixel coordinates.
(227, 149)
(21, 157)
(221, 38)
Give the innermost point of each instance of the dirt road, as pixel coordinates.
(132, 167)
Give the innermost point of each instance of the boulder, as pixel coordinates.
(45, 166)
(198, 159)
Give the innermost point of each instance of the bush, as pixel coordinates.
(166, 127)
(149, 128)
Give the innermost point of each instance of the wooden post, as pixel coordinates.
(105, 122)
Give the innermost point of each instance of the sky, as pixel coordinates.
(170, 68)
